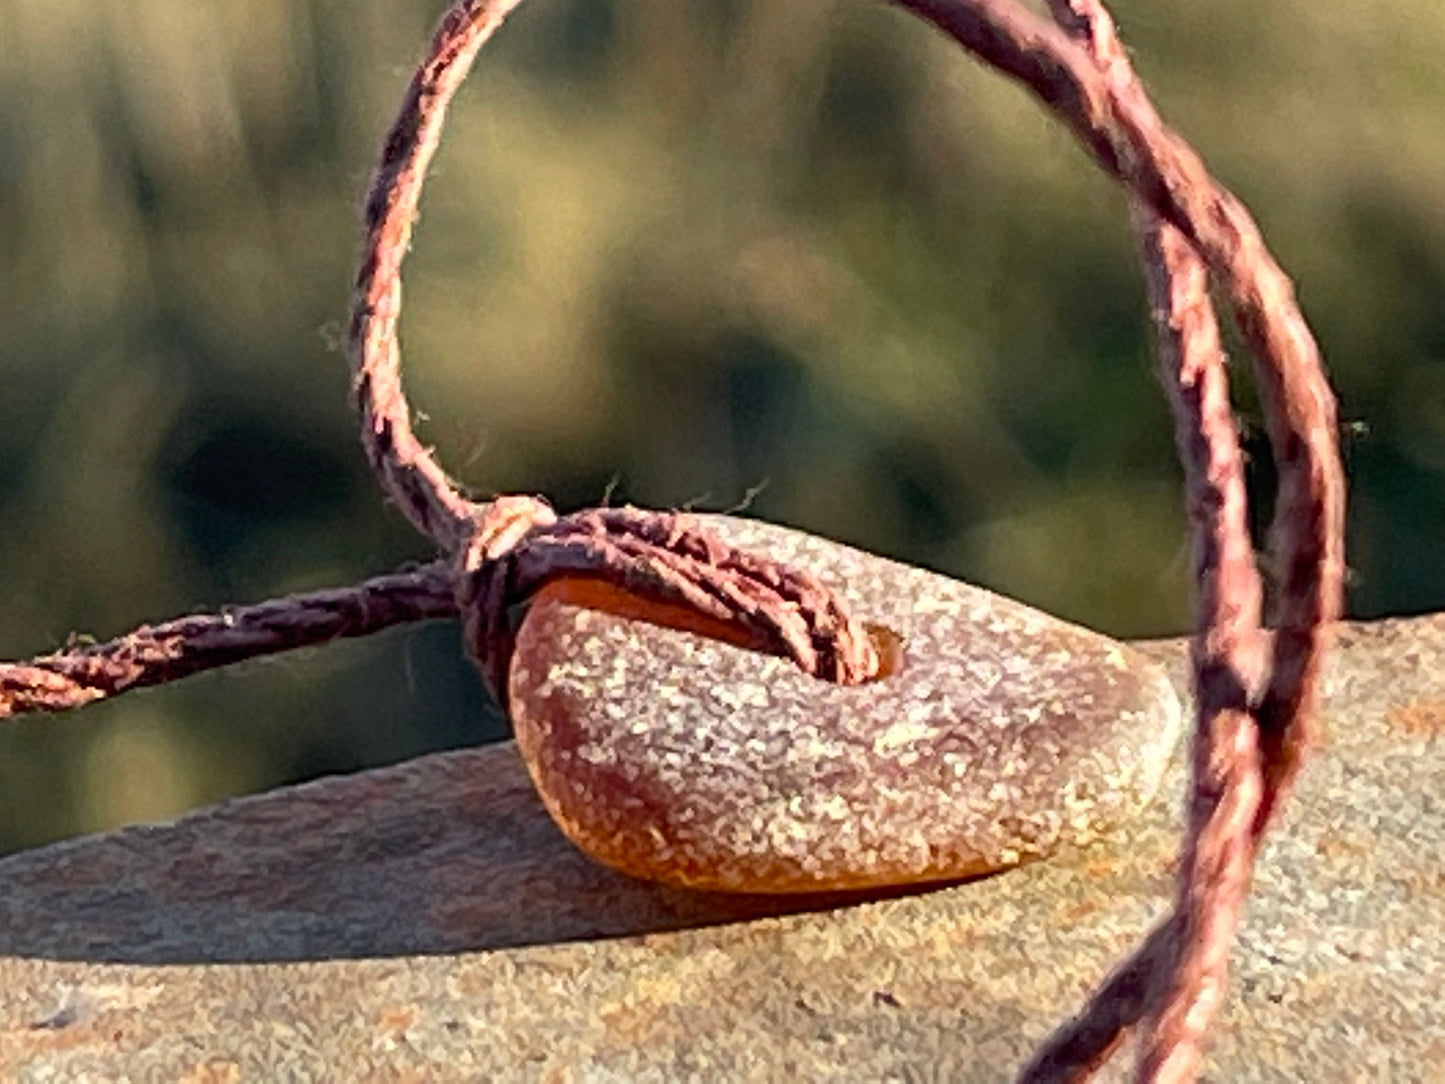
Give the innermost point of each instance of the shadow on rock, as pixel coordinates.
(448, 853)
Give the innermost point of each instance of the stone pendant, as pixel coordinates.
(1001, 735)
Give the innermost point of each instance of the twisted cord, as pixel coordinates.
(665, 558)
(518, 546)
(1117, 123)
(1243, 756)
(506, 549)
(407, 470)
(156, 654)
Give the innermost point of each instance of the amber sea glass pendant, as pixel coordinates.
(1000, 735)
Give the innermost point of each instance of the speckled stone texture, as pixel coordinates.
(429, 923)
(1004, 734)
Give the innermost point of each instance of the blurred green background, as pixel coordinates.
(799, 253)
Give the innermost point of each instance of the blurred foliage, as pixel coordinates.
(803, 254)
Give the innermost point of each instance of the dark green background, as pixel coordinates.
(688, 250)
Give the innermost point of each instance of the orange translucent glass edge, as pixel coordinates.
(597, 594)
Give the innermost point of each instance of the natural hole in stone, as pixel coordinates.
(596, 594)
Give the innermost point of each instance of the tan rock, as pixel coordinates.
(427, 922)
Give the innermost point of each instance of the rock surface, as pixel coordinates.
(427, 922)
(1003, 735)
